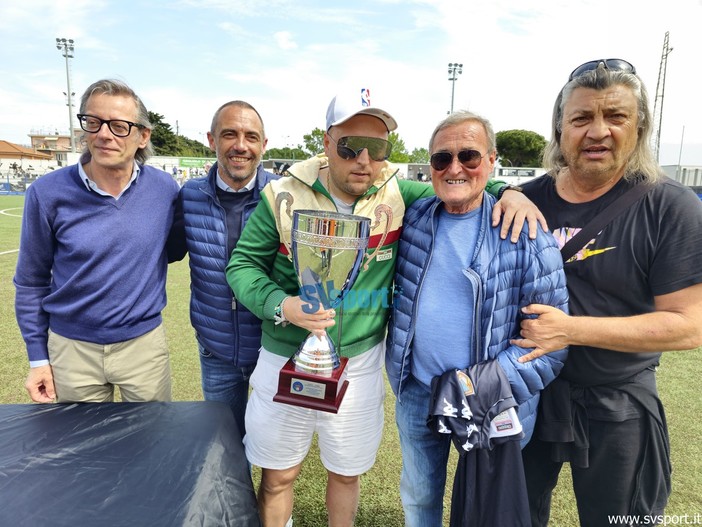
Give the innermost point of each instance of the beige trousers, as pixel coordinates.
(89, 372)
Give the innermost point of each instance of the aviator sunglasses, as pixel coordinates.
(610, 64)
(468, 158)
(351, 147)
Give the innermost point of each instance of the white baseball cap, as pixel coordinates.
(343, 107)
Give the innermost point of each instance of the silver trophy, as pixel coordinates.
(327, 252)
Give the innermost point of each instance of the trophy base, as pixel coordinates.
(312, 391)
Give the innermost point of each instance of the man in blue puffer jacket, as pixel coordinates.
(459, 290)
(214, 210)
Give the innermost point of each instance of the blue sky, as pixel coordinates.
(289, 57)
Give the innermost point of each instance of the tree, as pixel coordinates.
(419, 155)
(162, 137)
(295, 154)
(399, 150)
(191, 148)
(520, 148)
(166, 143)
(314, 142)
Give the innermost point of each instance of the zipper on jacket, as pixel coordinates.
(420, 283)
(478, 301)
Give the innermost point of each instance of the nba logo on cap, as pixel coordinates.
(365, 97)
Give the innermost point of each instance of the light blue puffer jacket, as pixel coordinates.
(506, 276)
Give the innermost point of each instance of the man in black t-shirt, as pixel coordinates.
(635, 291)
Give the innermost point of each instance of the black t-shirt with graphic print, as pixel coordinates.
(654, 248)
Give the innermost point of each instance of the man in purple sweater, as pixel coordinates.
(91, 273)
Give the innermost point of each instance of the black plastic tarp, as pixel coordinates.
(123, 464)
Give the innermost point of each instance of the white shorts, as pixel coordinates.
(278, 435)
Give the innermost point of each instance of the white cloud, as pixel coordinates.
(284, 39)
(288, 58)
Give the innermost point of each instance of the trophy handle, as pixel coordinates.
(379, 211)
(284, 197)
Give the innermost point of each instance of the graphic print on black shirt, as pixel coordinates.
(654, 248)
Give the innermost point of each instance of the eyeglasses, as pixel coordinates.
(119, 127)
(351, 147)
(468, 158)
(610, 64)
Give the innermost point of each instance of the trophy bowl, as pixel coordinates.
(327, 251)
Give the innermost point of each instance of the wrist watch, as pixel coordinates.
(507, 187)
(278, 314)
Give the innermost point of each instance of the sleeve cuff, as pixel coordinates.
(273, 301)
(37, 363)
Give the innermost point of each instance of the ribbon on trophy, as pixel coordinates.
(285, 237)
(379, 211)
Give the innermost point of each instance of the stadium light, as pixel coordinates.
(68, 46)
(454, 70)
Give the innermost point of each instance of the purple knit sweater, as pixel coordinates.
(91, 267)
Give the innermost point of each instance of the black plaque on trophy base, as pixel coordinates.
(310, 390)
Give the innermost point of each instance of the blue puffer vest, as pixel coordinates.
(224, 327)
(506, 276)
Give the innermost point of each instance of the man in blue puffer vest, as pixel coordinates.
(459, 289)
(214, 211)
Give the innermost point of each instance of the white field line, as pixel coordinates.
(7, 213)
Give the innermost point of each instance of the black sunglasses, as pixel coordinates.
(468, 158)
(351, 146)
(610, 64)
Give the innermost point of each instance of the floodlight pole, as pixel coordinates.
(454, 70)
(67, 46)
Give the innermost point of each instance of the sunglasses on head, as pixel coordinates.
(468, 158)
(610, 64)
(351, 147)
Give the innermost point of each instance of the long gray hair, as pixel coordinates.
(115, 87)
(642, 162)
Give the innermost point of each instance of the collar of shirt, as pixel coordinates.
(342, 206)
(91, 185)
(223, 186)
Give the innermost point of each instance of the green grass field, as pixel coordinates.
(380, 502)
